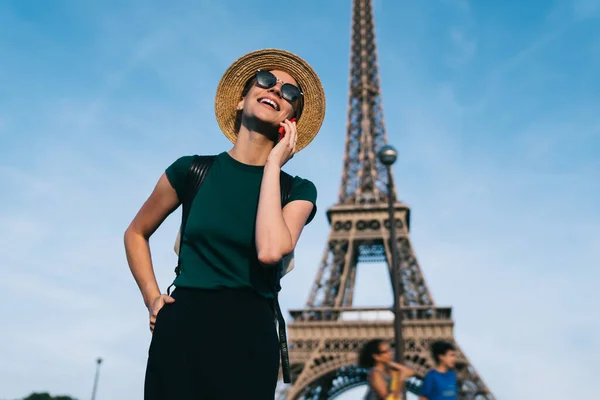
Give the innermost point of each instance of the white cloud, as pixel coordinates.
(586, 9)
(3, 125)
(464, 46)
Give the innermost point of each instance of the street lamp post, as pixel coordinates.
(387, 155)
(98, 362)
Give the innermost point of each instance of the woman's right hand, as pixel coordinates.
(283, 151)
(155, 307)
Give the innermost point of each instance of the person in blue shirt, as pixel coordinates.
(441, 383)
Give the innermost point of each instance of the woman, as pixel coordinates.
(215, 337)
(386, 378)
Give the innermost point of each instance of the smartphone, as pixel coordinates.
(281, 130)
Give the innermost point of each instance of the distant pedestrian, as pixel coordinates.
(386, 377)
(441, 382)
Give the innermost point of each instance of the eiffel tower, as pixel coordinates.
(326, 335)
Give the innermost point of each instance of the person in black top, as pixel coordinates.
(215, 337)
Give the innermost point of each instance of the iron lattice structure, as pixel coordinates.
(325, 336)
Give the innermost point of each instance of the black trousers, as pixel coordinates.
(213, 345)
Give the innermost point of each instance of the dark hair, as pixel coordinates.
(365, 358)
(298, 106)
(440, 348)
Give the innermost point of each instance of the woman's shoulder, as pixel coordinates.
(177, 171)
(303, 189)
(179, 167)
(378, 372)
(186, 159)
(182, 164)
(302, 184)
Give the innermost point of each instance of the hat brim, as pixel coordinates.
(229, 91)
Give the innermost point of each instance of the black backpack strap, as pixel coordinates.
(194, 178)
(285, 184)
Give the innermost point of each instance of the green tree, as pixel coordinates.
(47, 396)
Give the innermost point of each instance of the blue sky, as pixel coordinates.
(490, 105)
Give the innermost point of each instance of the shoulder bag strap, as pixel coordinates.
(285, 183)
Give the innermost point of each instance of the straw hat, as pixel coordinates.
(232, 83)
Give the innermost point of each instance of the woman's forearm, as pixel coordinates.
(273, 238)
(139, 259)
(406, 371)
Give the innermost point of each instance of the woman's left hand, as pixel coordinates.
(285, 149)
(404, 371)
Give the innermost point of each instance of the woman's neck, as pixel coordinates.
(251, 147)
(441, 368)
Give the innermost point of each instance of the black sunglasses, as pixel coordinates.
(267, 80)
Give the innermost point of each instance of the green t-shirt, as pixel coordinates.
(221, 225)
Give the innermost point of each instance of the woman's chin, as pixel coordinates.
(268, 128)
